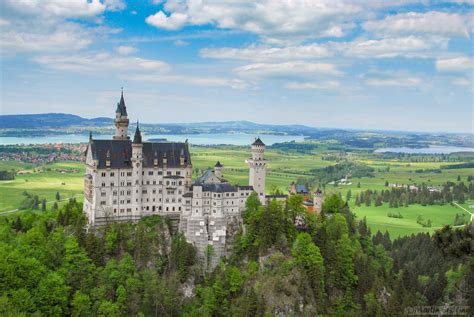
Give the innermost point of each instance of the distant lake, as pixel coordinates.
(198, 139)
(428, 150)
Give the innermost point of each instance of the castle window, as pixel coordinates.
(179, 208)
(160, 173)
(178, 173)
(153, 208)
(102, 194)
(129, 209)
(167, 208)
(143, 173)
(103, 184)
(129, 173)
(128, 201)
(112, 174)
(129, 183)
(154, 191)
(173, 208)
(115, 193)
(150, 172)
(102, 203)
(129, 192)
(112, 184)
(180, 183)
(159, 207)
(168, 173)
(214, 211)
(122, 173)
(115, 202)
(154, 182)
(148, 182)
(103, 174)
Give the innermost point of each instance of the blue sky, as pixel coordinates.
(396, 65)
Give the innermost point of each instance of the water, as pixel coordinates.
(198, 139)
(428, 150)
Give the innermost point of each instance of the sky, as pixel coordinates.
(363, 64)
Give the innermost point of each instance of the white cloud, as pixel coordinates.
(266, 53)
(288, 69)
(115, 5)
(433, 22)
(396, 81)
(180, 43)
(274, 20)
(65, 37)
(410, 46)
(102, 62)
(332, 84)
(191, 80)
(461, 81)
(173, 22)
(125, 50)
(59, 8)
(132, 68)
(457, 64)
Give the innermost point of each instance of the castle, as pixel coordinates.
(126, 180)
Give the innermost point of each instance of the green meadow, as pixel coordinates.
(283, 168)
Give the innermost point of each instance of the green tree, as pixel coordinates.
(308, 256)
(81, 305)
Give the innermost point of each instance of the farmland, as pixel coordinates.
(284, 167)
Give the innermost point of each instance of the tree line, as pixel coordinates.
(423, 195)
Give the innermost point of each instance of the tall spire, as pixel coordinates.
(121, 106)
(138, 135)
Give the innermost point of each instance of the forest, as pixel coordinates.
(330, 264)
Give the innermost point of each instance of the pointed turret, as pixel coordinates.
(138, 135)
(218, 169)
(258, 142)
(121, 108)
(121, 120)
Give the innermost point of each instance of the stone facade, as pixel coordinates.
(126, 180)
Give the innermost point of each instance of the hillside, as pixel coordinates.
(49, 120)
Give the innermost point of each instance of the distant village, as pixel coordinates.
(43, 153)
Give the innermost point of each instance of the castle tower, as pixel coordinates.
(218, 169)
(121, 121)
(137, 164)
(258, 169)
(318, 200)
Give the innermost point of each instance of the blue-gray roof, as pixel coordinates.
(120, 153)
(301, 189)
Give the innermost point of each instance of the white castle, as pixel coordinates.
(126, 180)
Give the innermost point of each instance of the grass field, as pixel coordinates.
(283, 168)
(378, 219)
